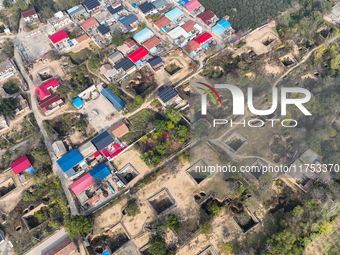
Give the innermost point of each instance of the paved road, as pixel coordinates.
(48, 144)
(49, 243)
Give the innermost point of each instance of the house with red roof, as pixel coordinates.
(43, 91)
(137, 56)
(89, 24)
(60, 40)
(203, 38)
(20, 166)
(29, 14)
(192, 5)
(162, 22)
(51, 104)
(208, 17)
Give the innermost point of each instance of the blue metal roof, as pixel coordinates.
(218, 29)
(167, 94)
(100, 172)
(75, 9)
(174, 14)
(224, 24)
(128, 20)
(31, 170)
(155, 61)
(183, 2)
(159, 3)
(143, 35)
(77, 102)
(113, 99)
(70, 160)
(106, 252)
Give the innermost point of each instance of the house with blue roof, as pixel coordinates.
(174, 14)
(115, 100)
(78, 102)
(128, 21)
(143, 35)
(72, 163)
(76, 11)
(222, 26)
(100, 172)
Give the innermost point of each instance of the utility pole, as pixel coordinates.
(5, 138)
(30, 122)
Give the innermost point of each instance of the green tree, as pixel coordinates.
(161, 148)
(117, 39)
(94, 63)
(182, 131)
(78, 224)
(160, 126)
(132, 208)
(325, 227)
(141, 27)
(115, 88)
(63, 91)
(139, 100)
(213, 208)
(228, 247)
(172, 222)
(173, 114)
(170, 125)
(157, 246)
(298, 210)
(81, 124)
(206, 228)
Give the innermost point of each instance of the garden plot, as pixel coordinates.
(127, 173)
(6, 187)
(173, 67)
(45, 74)
(161, 201)
(33, 217)
(113, 238)
(235, 141)
(288, 60)
(199, 171)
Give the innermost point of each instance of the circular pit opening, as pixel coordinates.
(197, 197)
(31, 207)
(18, 228)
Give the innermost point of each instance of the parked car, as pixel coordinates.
(95, 112)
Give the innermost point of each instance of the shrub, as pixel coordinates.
(132, 208)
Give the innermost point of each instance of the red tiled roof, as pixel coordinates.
(191, 46)
(138, 54)
(189, 26)
(20, 165)
(42, 92)
(192, 5)
(64, 248)
(82, 38)
(119, 129)
(89, 23)
(57, 37)
(162, 22)
(51, 83)
(93, 199)
(206, 16)
(129, 42)
(82, 183)
(152, 42)
(28, 12)
(44, 104)
(203, 38)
